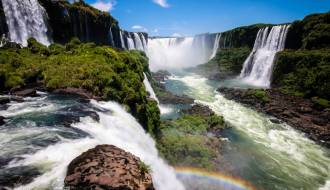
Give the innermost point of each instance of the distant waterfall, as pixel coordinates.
(26, 19)
(122, 40)
(149, 88)
(216, 45)
(177, 53)
(257, 68)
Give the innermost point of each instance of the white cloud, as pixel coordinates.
(140, 28)
(176, 35)
(162, 3)
(104, 5)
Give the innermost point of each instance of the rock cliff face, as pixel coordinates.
(108, 167)
(3, 24)
(80, 20)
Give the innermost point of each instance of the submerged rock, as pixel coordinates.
(16, 176)
(108, 167)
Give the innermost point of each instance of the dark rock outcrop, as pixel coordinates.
(77, 91)
(4, 100)
(16, 176)
(2, 120)
(108, 167)
(200, 110)
(82, 21)
(26, 92)
(3, 23)
(298, 112)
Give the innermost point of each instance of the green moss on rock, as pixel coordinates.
(101, 70)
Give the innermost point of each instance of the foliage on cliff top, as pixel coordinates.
(101, 70)
(241, 37)
(184, 141)
(304, 72)
(227, 62)
(313, 32)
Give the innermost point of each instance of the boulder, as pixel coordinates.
(4, 100)
(27, 92)
(108, 167)
(2, 120)
(198, 109)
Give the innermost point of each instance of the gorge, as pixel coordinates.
(72, 79)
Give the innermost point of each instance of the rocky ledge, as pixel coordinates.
(298, 112)
(108, 167)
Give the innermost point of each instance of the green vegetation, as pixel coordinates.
(101, 70)
(313, 32)
(303, 73)
(241, 37)
(227, 62)
(184, 141)
(144, 168)
(323, 103)
(261, 94)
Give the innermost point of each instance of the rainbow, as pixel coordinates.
(234, 183)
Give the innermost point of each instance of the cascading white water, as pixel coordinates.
(26, 19)
(216, 45)
(138, 42)
(130, 42)
(122, 40)
(112, 41)
(178, 53)
(116, 127)
(149, 88)
(257, 68)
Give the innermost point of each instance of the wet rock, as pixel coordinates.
(12, 177)
(198, 109)
(161, 75)
(2, 120)
(276, 121)
(25, 93)
(77, 91)
(169, 98)
(4, 100)
(107, 167)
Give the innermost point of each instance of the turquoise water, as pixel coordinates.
(270, 156)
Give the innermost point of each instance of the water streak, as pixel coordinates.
(26, 19)
(257, 68)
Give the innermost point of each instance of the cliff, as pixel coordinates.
(303, 69)
(82, 21)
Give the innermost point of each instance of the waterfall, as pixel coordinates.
(26, 19)
(138, 42)
(122, 40)
(116, 127)
(216, 46)
(257, 68)
(178, 53)
(130, 42)
(149, 88)
(112, 42)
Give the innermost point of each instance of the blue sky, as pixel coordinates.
(189, 17)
